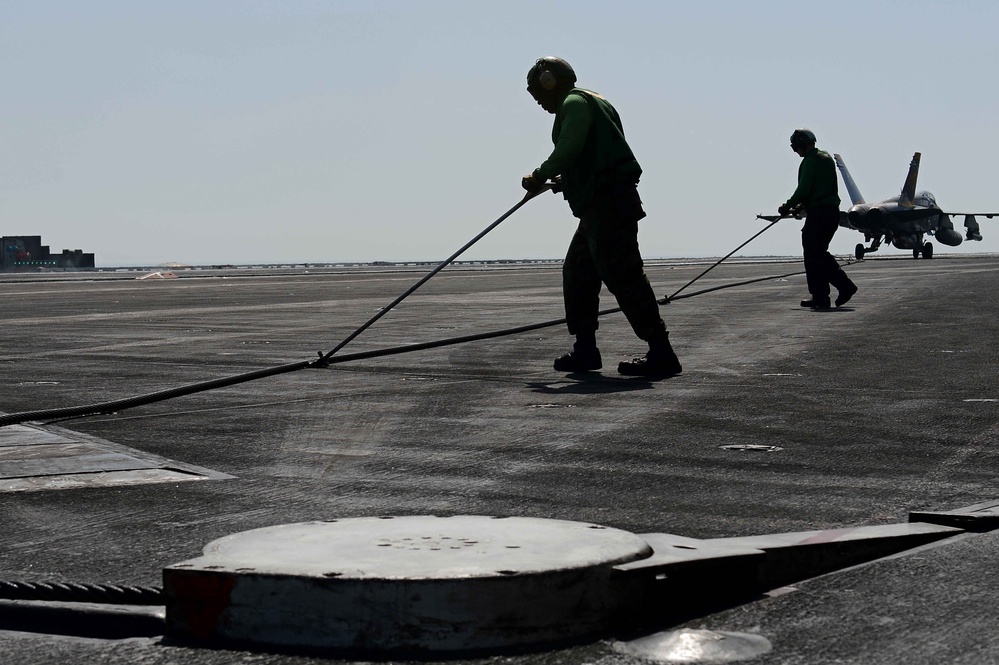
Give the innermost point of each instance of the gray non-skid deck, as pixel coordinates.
(784, 420)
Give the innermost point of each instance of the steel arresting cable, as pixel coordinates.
(71, 592)
(772, 220)
(150, 398)
(324, 361)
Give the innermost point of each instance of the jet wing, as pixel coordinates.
(974, 231)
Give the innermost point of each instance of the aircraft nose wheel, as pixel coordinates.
(859, 252)
(927, 251)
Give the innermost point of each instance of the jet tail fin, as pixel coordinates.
(851, 186)
(909, 188)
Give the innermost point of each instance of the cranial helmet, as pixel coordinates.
(549, 73)
(801, 137)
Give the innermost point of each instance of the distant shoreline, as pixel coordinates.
(346, 267)
(333, 267)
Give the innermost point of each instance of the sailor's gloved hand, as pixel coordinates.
(557, 184)
(532, 183)
(783, 210)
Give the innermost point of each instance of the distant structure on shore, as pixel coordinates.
(27, 253)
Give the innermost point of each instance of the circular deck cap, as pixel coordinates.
(426, 547)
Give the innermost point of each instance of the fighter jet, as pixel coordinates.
(903, 220)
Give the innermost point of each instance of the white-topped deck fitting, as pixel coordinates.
(463, 583)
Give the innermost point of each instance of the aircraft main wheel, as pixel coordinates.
(928, 250)
(859, 252)
(915, 252)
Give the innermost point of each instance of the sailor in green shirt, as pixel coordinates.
(817, 194)
(594, 168)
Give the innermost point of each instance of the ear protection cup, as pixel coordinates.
(550, 73)
(547, 79)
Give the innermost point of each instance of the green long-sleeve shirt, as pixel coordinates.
(590, 149)
(572, 126)
(817, 184)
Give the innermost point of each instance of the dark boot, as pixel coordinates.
(584, 357)
(660, 361)
(845, 294)
(817, 303)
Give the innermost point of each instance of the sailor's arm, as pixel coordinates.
(806, 184)
(576, 120)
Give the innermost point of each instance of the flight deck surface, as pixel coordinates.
(783, 420)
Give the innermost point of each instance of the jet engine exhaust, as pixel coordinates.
(862, 217)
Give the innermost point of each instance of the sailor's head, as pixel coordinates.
(802, 140)
(549, 81)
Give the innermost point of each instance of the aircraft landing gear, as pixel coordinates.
(928, 250)
(860, 250)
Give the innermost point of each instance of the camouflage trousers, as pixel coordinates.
(604, 250)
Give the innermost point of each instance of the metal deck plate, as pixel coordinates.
(34, 458)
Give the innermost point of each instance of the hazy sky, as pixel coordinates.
(285, 131)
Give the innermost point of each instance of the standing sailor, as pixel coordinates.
(598, 175)
(818, 195)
